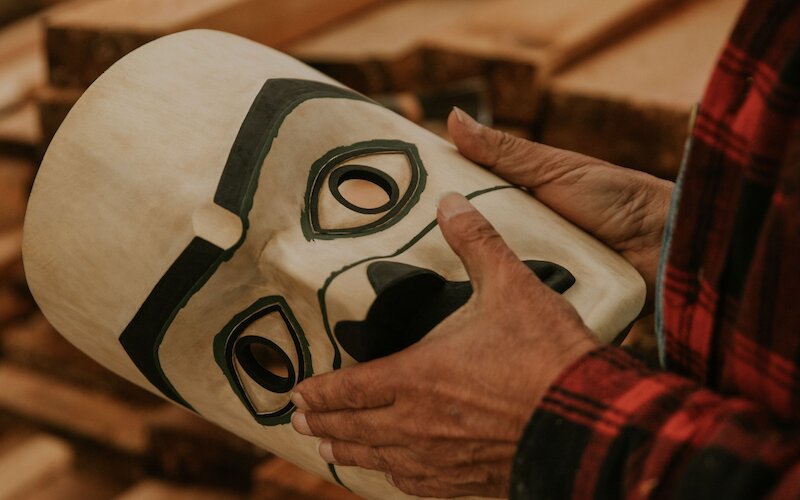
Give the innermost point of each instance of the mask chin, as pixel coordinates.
(410, 301)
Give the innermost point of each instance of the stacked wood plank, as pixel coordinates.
(514, 44)
(630, 104)
(85, 38)
(22, 69)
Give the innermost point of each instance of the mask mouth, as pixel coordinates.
(410, 301)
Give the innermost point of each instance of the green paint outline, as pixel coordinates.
(225, 336)
(244, 212)
(309, 220)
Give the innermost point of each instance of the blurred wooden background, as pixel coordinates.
(615, 79)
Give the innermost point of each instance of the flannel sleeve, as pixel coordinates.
(609, 427)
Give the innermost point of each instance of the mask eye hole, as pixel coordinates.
(263, 353)
(266, 363)
(361, 189)
(364, 189)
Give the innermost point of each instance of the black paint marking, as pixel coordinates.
(144, 333)
(142, 337)
(411, 301)
(277, 98)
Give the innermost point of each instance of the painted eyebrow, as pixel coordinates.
(143, 335)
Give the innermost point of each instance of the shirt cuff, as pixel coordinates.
(582, 433)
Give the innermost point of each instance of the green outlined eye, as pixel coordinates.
(263, 353)
(361, 189)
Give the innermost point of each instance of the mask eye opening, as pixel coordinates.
(323, 175)
(266, 363)
(376, 179)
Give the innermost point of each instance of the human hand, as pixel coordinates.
(626, 209)
(443, 417)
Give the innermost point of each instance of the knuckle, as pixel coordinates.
(502, 142)
(378, 459)
(317, 423)
(408, 485)
(481, 233)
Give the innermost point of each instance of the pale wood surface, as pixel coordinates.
(632, 100)
(104, 197)
(85, 40)
(36, 460)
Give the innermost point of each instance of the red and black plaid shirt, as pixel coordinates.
(724, 421)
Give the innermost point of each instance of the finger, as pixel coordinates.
(516, 160)
(367, 385)
(368, 427)
(479, 246)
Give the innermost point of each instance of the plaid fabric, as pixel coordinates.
(725, 423)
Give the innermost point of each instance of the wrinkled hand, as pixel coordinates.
(443, 417)
(623, 208)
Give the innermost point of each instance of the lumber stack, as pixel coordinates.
(630, 103)
(514, 44)
(85, 38)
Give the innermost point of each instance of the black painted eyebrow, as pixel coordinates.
(277, 98)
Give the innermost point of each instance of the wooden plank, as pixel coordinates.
(37, 460)
(20, 133)
(380, 50)
(53, 105)
(185, 448)
(22, 65)
(159, 490)
(34, 344)
(74, 410)
(16, 178)
(518, 44)
(514, 43)
(630, 103)
(10, 248)
(84, 41)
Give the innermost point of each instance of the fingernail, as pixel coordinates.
(325, 450)
(300, 423)
(390, 480)
(466, 120)
(299, 401)
(452, 204)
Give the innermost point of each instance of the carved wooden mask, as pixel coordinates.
(216, 221)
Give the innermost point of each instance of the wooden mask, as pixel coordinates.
(216, 221)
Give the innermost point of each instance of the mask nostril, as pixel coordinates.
(265, 363)
(411, 301)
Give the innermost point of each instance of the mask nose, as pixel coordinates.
(410, 301)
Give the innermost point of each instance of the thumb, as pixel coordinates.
(480, 247)
(516, 160)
